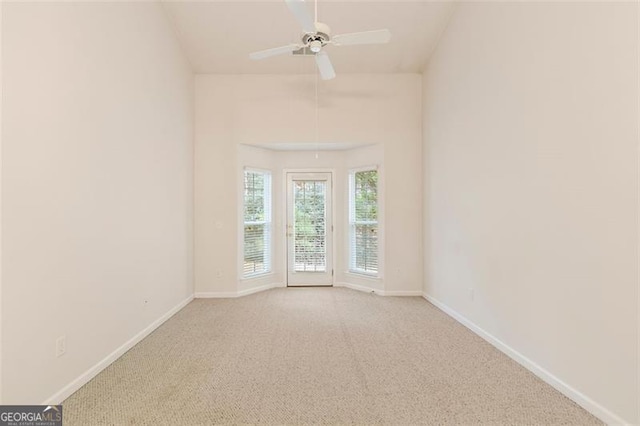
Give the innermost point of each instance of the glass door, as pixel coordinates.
(309, 229)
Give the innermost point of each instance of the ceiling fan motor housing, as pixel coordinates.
(319, 39)
(317, 35)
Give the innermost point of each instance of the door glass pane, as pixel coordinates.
(309, 225)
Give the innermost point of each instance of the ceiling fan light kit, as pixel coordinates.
(316, 36)
(315, 46)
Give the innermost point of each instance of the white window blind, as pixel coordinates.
(363, 222)
(257, 223)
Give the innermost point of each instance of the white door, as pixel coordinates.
(309, 229)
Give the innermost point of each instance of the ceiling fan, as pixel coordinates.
(317, 35)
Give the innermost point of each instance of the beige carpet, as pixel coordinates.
(317, 355)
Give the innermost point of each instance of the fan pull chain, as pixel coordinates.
(315, 7)
(317, 113)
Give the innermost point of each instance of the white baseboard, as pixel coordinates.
(215, 294)
(240, 293)
(258, 289)
(232, 294)
(412, 293)
(85, 377)
(379, 292)
(358, 287)
(581, 399)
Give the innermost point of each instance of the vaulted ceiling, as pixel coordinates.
(219, 35)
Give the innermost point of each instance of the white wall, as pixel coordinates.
(531, 180)
(96, 185)
(269, 109)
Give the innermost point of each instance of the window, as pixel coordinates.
(257, 223)
(363, 222)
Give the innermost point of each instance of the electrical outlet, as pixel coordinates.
(61, 346)
(219, 274)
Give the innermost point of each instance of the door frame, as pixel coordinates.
(283, 223)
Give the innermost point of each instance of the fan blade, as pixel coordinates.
(273, 52)
(324, 66)
(302, 14)
(366, 37)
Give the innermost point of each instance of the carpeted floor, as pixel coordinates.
(317, 355)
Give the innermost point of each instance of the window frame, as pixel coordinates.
(352, 223)
(267, 223)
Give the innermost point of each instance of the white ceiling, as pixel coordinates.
(219, 35)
